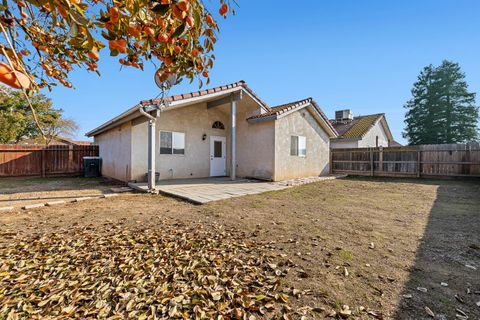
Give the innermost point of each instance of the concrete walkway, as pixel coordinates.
(201, 191)
(205, 190)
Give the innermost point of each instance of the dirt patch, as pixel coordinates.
(365, 243)
(18, 192)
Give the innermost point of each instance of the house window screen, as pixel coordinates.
(298, 146)
(294, 146)
(217, 149)
(172, 142)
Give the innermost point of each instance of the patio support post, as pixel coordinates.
(151, 145)
(151, 154)
(233, 125)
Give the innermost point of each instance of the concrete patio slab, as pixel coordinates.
(205, 190)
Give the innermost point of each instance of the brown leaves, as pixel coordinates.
(170, 272)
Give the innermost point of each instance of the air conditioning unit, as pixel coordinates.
(344, 115)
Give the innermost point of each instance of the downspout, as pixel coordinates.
(151, 146)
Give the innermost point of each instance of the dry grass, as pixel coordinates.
(424, 232)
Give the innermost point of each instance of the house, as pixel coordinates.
(361, 131)
(223, 131)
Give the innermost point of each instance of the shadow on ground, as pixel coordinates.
(447, 261)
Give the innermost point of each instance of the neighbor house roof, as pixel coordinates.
(359, 126)
(284, 109)
(54, 141)
(178, 100)
(394, 143)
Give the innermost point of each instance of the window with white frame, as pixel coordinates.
(172, 142)
(298, 146)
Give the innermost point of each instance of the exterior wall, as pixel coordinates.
(253, 159)
(255, 147)
(335, 144)
(316, 162)
(115, 151)
(369, 140)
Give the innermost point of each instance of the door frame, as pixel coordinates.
(223, 139)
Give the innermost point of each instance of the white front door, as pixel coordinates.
(218, 156)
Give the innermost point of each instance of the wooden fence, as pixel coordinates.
(57, 160)
(446, 160)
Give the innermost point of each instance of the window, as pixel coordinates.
(172, 142)
(218, 125)
(298, 146)
(217, 149)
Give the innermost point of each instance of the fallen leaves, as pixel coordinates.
(169, 272)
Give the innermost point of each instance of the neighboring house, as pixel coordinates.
(193, 138)
(361, 132)
(55, 141)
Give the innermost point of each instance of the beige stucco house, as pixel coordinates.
(194, 132)
(361, 132)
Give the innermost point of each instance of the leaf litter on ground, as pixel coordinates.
(170, 272)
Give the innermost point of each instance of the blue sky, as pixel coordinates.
(363, 55)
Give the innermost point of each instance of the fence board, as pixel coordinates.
(447, 160)
(57, 160)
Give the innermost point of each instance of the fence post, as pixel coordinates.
(331, 161)
(380, 159)
(371, 162)
(43, 163)
(419, 163)
(70, 159)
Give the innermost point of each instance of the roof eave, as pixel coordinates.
(133, 112)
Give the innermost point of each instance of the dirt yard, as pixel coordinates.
(386, 248)
(18, 192)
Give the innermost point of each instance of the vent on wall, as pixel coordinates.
(344, 115)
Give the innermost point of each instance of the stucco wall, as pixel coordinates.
(253, 159)
(343, 144)
(255, 145)
(369, 140)
(316, 162)
(115, 151)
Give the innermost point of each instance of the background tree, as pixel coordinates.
(17, 123)
(44, 40)
(62, 127)
(441, 110)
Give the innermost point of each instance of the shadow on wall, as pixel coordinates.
(447, 262)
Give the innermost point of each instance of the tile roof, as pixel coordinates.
(279, 110)
(200, 93)
(118, 119)
(394, 143)
(356, 128)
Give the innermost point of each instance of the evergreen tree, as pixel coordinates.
(441, 109)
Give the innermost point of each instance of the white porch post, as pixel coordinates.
(151, 154)
(233, 125)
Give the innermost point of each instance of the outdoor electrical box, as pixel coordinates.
(92, 167)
